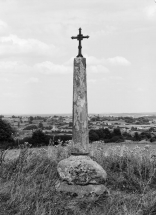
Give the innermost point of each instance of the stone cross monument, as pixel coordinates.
(80, 107)
(79, 174)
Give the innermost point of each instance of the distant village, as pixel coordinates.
(26, 125)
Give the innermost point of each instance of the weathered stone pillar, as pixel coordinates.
(79, 174)
(80, 106)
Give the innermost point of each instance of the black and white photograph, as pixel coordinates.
(77, 107)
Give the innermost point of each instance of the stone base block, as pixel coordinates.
(90, 191)
(81, 170)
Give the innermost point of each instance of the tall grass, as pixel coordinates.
(27, 183)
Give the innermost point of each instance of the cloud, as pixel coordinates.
(10, 95)
(32, 80)
(118, 60)
(91, 81)
(98, 69)
(4, 80)
(12, 44)
(48, 67)
(91, 60)
(151, 11)
(3, 26)
(118, 78)
(140, 89)
(121, 61)
(103, 32)
(94, 65)
(7, 65)
(14, 67)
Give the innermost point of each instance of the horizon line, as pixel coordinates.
(71, 113)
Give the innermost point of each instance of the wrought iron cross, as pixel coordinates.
(79, 38)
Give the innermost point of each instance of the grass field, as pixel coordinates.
(14, 153)
(28, 177)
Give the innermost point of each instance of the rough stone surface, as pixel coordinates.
(82, 191)
(80, 108)
(81, 170)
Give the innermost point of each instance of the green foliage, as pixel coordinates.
(105, 135)
(48, 127)
(31, 119)
(30, 127)
(127, 136)
(136, 137)
(145, 135)
(40, 125)
(39, 138)
(93, 136)
(6, 131)
(130, 120)
(70, 124)
(116, 132)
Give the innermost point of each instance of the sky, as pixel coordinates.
(37, 52)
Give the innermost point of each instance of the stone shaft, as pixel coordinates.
(80, 107)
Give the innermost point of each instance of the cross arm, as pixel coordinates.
(74, 37)
(86, 37)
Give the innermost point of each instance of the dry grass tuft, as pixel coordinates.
(27, 183)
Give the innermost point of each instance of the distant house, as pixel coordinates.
(37, 121)
(16, 124)
(66, 130)
(16, 119)
(123, 130)
(67, 120)
(8, 119)
(94, 127)
(47, 131)
(25, 119)
(93, 123)
(64, 126)
(54, 128)
(45, 124)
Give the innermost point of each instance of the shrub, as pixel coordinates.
(39, 138)
(30, 127)
(93, 136)
(6, 131)
(116, 139)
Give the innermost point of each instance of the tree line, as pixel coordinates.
(8, 140)
(116, 136)
(41, 139)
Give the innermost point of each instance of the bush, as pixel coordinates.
(116, 139)
(93, 136)
(39, 138)
(6, 131)
(105, 135)
(116, 132)
(6, 135)
(136, 137)
(58, 138)
(30, 127)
